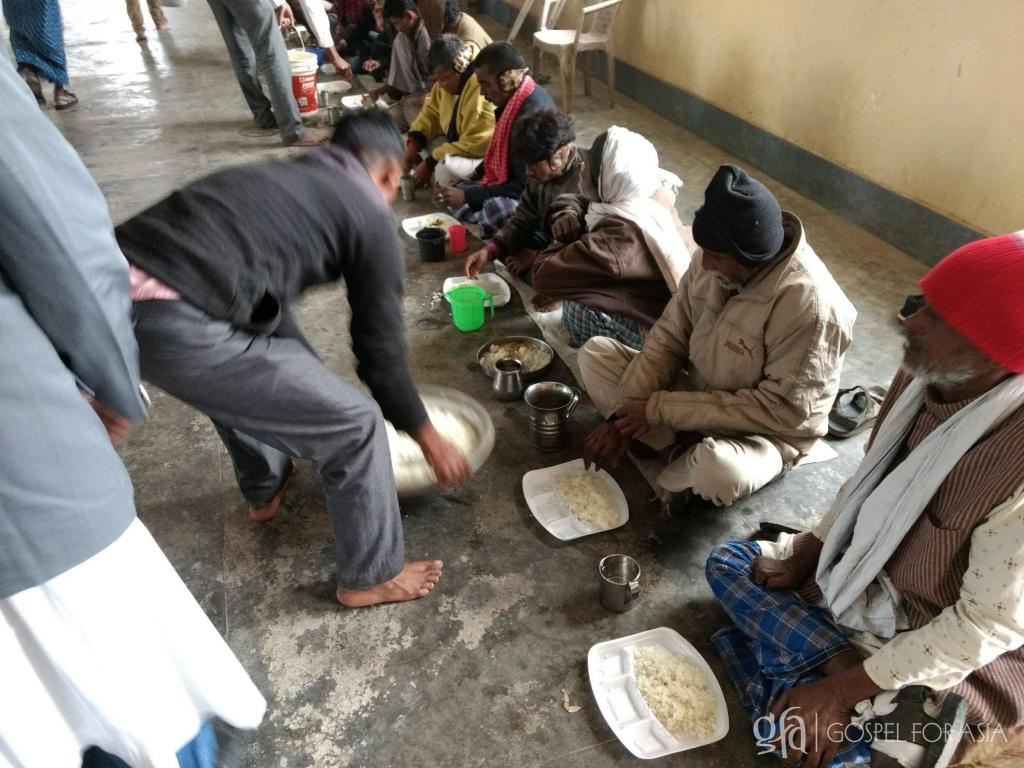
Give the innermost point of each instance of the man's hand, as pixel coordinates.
(475, 262)
(285, 17)
(343, 67)
(824, 707)
(604, 447)
(450, 196)
(632, 421)
(421, 176)
(566, 228)
(521, 262)
(371, 65)
(116, 425)
(448, 462)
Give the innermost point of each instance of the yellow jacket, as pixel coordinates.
(474, 122)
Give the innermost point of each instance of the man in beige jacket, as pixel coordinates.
(735, 380)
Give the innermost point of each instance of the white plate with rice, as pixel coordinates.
(571, 502)
(489, 281)
(675, 676)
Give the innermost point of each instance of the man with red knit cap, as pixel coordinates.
(902, 610)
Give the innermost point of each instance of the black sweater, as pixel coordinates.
(243, 243)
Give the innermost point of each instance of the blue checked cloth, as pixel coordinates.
(492, 217)
(37, 37)
(582, 323)
(777, 640)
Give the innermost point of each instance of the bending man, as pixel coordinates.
(216, 267)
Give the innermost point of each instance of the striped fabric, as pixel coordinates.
(929, 565)
(777, 641)
(492, 217)
(37, 37)
(582, 323)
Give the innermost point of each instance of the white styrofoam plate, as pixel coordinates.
(610, 667)
(489, 281)
(540, 487)
(336, 86)
(356, 101)
(414, 224)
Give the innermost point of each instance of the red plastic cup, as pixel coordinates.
(458, 235)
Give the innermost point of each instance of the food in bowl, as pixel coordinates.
(532, 358)
(676, 691)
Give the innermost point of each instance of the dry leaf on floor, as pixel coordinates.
(570, 708)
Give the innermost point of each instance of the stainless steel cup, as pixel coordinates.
(334, 115)
(620, 582)
(508, 379)
(551, 405)
(408, 188)
(323, 98)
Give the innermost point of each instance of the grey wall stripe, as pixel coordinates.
(919, 231)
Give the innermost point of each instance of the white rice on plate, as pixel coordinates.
(586, 496)
(676, 691)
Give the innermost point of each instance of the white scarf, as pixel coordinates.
(875, 510)
(629, 177)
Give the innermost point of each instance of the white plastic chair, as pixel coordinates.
(593, 33)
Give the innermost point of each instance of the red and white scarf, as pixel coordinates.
(496, 159)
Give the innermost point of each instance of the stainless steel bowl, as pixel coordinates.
(526, 340)
(447, 408)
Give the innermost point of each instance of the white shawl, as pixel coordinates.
(629, 178)
(875, 510)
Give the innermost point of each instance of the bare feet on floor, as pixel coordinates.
(311, 139)
(266, 512)
(415, 581)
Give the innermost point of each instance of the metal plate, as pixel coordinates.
(457, 417)
(526, 340)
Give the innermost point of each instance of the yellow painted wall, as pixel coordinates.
(924, 97)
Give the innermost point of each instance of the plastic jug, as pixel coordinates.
(468, 303)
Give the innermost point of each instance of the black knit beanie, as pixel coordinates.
(739, 217)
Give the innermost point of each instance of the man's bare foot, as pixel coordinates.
(267, 511)
(310, 139)
(415, 581)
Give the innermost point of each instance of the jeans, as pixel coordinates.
(201, 752)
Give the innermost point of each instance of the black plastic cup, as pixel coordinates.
(431, 240)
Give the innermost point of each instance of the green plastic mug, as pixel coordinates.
(468, 306)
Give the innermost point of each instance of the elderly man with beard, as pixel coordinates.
(904, 606)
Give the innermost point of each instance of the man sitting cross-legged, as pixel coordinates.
(737, 376)
(913, 582)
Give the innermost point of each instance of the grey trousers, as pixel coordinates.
(255, 44)
(271, 398)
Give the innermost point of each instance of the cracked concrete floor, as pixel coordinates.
(472, 675)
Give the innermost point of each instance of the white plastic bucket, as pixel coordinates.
(304, 67)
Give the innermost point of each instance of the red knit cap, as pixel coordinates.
(977, 290)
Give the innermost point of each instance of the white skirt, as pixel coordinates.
(116, 653)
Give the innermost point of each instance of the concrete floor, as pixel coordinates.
(470, 676)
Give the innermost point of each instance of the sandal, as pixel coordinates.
(34, 85)
(854, 410)
(931, 730)
(63, 98)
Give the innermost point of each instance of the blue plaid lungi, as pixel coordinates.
(777, 641)
(491, 217)
(582, 323)
(37, 37)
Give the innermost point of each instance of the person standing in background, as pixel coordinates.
(37, 38)
(156, 12)
(105, 653)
